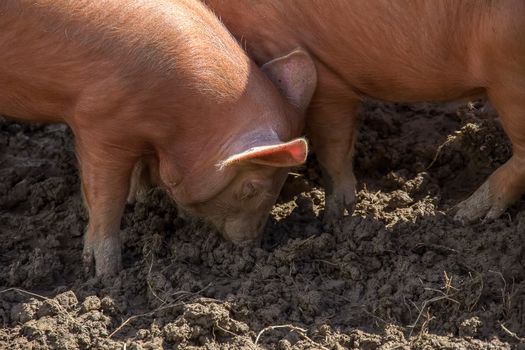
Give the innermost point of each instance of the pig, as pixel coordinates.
(404, 51)
(157, 80)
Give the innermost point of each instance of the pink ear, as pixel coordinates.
(295, 75)
(282, 155)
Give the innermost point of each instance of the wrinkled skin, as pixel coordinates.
(406, 51)
(158, 82)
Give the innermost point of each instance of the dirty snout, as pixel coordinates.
(244, 230)
(246, 226)
(245, 223)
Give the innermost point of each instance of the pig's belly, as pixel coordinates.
(407, 89)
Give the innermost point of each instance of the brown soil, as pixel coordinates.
(398, 274)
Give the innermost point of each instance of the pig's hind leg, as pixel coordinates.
(507, 183)
(105, 184)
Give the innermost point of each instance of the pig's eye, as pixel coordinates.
(249, 190)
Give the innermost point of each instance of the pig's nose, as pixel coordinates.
(240, 233)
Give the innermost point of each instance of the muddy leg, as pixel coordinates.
(105, 185)
(333, 129)
(507, 183)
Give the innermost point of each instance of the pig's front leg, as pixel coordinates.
(105, 184)
(332, 128)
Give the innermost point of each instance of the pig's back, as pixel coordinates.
(393, 50)
(52, 51)
(419, 50)
(401, 50)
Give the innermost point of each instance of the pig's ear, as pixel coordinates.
(280, 155)
(295, 75)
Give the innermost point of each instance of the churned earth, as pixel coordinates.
(397, 274)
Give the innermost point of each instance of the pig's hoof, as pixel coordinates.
(108, 258)
(482, 204)
(102, 258)
(335, 208)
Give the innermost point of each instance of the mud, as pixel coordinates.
(397, 274)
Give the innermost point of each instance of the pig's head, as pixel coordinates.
(238, 181)
(250, 183)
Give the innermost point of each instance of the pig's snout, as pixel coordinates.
(243, 232)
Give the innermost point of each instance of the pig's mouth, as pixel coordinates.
(240, 233)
